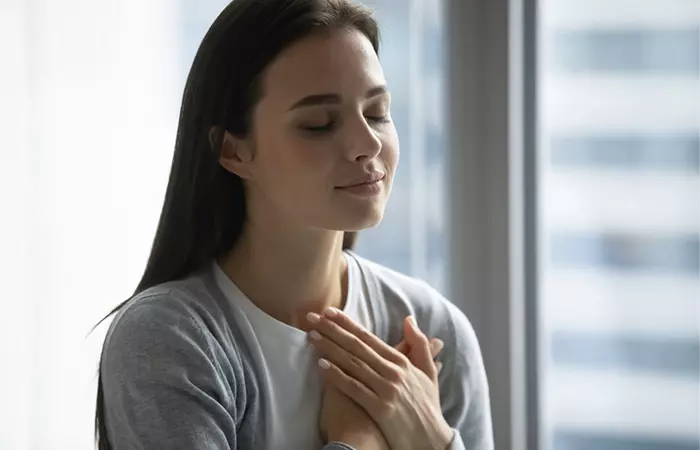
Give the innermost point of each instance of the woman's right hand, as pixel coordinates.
(343, 420)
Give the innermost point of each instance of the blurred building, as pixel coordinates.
(620, 215)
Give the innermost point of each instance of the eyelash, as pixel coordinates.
(329, 126)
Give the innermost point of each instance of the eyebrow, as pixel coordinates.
(327, 99)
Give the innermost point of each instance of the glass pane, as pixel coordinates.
(619, 200)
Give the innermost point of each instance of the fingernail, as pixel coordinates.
(438, 345)
(313, 317)
(331, 312)
(324, 364)
(315, 335)
(438, 365)
(413, 321)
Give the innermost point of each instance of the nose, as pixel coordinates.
(363, 143)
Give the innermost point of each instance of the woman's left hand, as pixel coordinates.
(402, 398)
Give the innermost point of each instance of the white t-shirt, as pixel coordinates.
(288, 363)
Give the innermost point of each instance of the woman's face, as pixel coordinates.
(323, 148)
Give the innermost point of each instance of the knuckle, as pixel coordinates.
(356, 345)
(403, 362)
(330, 326)
(355, 387)
(394, 375)
(357, 362)
(364, 335)
(391, 393)
(386, 410)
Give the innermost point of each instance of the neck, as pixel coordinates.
(289, 273)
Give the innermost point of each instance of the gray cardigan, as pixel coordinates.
(177, 374)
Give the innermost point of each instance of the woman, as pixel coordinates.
(252, 300)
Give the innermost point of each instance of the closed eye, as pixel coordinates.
(331, 125)
(325, 128)
(378, 119)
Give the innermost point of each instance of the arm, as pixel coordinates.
(161, 385)
(464, 392)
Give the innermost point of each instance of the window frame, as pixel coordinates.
(491, 67)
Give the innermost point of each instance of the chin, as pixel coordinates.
(360, 221)
(354, 215)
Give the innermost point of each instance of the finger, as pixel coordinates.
(403, 347)
(436, 346)
(420, 355)
(438, 366)
(343, 322)
(351, 364)
(349, 386)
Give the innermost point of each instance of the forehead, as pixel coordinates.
(341, 62)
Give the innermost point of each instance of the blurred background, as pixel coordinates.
(89, 98)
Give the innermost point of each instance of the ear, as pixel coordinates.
(235, 154)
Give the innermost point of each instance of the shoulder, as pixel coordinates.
(170, 326)
(161, 312)
(395, 286)
(156, 331)
(168, 378)
(403, 295)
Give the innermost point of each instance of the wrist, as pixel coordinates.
(445, 437)
(358, 439)
(345, 437)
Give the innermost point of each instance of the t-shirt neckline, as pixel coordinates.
(265, 323)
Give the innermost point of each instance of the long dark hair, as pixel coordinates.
(204, 209)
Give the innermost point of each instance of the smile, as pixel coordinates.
(369, 187)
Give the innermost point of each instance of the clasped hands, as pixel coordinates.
(378, 397)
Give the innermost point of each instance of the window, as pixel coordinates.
(410, 238)
(619, 217)
(670, 151)
(626, 50)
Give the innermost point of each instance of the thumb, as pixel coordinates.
(420, 353)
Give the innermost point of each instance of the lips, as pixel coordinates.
(368, 178)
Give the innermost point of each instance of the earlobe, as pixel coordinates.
(235, 155)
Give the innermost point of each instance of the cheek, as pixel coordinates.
(390, 151)
(295, 166)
